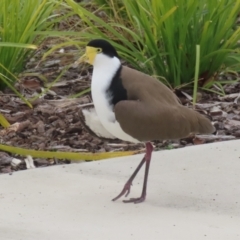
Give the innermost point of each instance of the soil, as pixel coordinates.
(53, 122)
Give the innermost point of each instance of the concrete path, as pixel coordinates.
(193, 193)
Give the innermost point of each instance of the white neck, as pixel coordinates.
(104, 69)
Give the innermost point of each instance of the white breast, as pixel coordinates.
(103, 71)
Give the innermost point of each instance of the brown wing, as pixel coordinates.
(144, 87)
(147, 123)
(153, 112)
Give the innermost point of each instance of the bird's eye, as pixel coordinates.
(99, 50)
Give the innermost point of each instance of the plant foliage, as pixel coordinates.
(160, 37)
(19, 22)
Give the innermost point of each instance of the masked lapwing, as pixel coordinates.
(136, 107)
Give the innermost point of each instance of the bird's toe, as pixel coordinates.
(135, 200)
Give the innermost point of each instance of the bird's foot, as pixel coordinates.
(125, 191)
(136, 200)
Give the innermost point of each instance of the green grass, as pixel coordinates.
(20, 21)
(160, 37)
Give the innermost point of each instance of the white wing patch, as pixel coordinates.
(93, 122)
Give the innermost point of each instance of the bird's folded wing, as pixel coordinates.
(158, 121)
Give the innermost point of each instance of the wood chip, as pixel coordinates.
(215, 137)
(5, 159)
(29, 162)
(15, 162)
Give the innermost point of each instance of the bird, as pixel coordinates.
(136, 107)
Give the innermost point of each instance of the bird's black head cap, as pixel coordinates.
(106, 47)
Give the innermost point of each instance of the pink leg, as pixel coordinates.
(127, 186)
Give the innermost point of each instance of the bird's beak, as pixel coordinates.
(88, 57)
